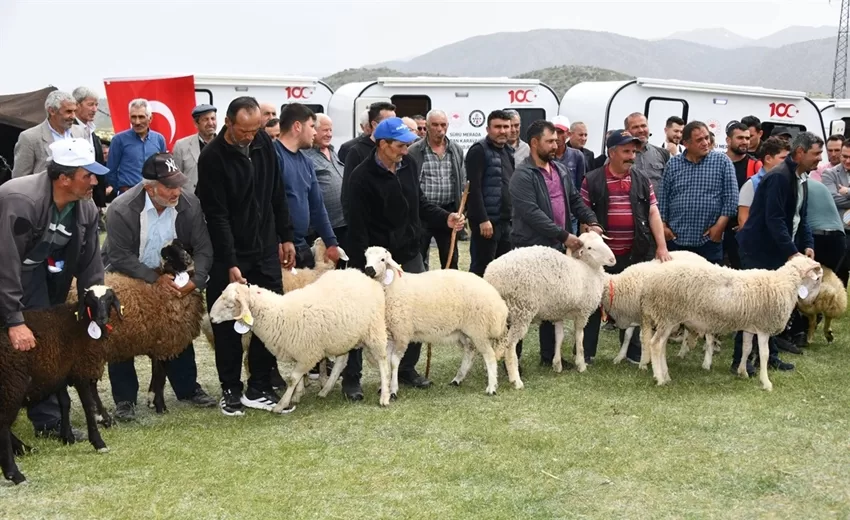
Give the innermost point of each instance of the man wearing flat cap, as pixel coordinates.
(139, 224)
(187, 150)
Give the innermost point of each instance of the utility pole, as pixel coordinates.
(839, 73)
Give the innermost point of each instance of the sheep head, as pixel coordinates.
(811, 276)
(232, 305)
(96, 305)
(594, 251)
(318, 249)
(379, 262)
(175, 259)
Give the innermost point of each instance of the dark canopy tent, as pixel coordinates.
(17, 113)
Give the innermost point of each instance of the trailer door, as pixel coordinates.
(658, 110)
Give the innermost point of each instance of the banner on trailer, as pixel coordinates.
(171, 101)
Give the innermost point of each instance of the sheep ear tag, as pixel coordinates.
(802, 292)
(181, 279)
(94, 331)
(389, 276)
(241, 327)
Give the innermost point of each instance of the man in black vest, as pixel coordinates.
(624, 204)
(489, 167)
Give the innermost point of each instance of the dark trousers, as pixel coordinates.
(749, 262)
(45, 413)
(843, 271)
(182, 373)
(591, 330)
(730, 248)
(228, 343)
(830, 249)
(485, 250)
(354, 368)
(443, 237)
(711, 251)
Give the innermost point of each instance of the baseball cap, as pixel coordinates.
(76, 152)
(161, 167)
(561, 123)
(620, 137)
(200, 110)
(395, 129)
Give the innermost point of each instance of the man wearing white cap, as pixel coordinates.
(49, 236)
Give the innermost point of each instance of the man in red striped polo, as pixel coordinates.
(624, 203)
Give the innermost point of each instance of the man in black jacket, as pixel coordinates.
(543, 197)
(363, 147)
(241, 190)
(385, 204)
(87, 102)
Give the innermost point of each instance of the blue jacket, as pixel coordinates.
(573, 160)
(766, 236)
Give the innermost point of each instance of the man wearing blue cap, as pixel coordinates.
(385, 203)
(188, 149)
(49, 236)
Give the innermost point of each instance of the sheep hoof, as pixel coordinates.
(557, 366)
(643, 366)
(581, 368)
(830, 337)
(68, 439)
(491, 392)
(105, 420)
(618, 359)
(518, 384)
(103, 450)
(768, 386)
(393, 396)
(455, 382)
(282, 410)
(16, 478)
(706, 366)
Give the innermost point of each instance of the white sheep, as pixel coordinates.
(831, 301)
(621, 301)
(711, 298)
(542, 284)
(309, 324)
(443, 307)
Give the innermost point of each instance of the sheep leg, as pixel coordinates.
(384, 370)
(627, 337)
(557, 363)
(301, 368)
(84, 391)
(646, 332)
(299, 391)
(19, 449)
(517, 331)
(489, 356)
(764, 352)
(7, 459)
(339, 366)
(156, 390)
(659, 361)
(578, 325)
(746, 349)
(685, 349)
(709, 351)
(827, 327)
(323, 371)
(393, 361)
(466, 364)
(102, 416)
(65, 433)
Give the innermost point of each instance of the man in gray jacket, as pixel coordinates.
(441, 178)
(544, 197)
(139, 223)
(48, 228)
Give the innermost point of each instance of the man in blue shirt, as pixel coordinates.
(131, 148)
(699, 193)
(303, 193)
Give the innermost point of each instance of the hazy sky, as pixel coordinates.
(67, 43)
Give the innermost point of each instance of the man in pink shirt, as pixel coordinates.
(833, 153)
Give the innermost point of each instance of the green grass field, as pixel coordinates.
(603, 444)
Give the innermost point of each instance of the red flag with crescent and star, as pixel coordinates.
(171, 100)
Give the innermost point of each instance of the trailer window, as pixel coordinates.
(409, 106)
(203, 96)
(767, 128)
(658, 110)
(840, 126)
(528, 116)
(317, 109)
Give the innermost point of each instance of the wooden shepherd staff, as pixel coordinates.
(449, 262)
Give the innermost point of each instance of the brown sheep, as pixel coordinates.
(831, 301)
(64, 354)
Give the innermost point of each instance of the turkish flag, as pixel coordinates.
(171, 101)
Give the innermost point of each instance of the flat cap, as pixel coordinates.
(199, 110)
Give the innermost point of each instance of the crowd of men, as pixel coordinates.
(252, 197)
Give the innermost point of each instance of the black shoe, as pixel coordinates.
(777, 364)
(125, 411)
(787, 346)
(276, 380)
(352, 390)
(260, 399)
(314, 372)
(588, 360)
(200, 399)
(53, 433)
(231, 403)
(413, 379)
(751, 370)
(801, 339)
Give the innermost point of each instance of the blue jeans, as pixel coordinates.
(711, 251)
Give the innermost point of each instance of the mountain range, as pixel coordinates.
(778, 61)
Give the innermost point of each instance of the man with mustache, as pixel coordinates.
(49, 236)
(32, 149)
(544, 197)
(138, 225)
(188, 149)
(131, 148)
(624, 203)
